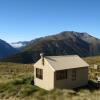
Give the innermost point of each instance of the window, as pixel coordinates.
(74, 74)
(62, 74)
(39, 73)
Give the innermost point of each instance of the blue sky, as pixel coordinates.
(28, 19)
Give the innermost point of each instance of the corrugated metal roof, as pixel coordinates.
(66, 62)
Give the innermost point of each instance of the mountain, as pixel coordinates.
(19, 44)
(6, 49)
(64, 43)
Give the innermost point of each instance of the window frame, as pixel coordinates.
(74, 74)
(61, 74)
(39, 73)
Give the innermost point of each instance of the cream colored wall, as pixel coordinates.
(48, 75)
(82, 79)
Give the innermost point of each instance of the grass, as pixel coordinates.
(19, 88)
(93, 60)
(22, 89)
(15, 68)
(16, 83)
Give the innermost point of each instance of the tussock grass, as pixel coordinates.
(93, 60)
(7, 68)
(22, 89)
(17, 87)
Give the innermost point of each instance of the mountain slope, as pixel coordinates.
(6, 50)
(64, 43)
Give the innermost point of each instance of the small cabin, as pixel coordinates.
(62, 72)
(96, 66)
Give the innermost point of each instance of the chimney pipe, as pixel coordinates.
(42, 57)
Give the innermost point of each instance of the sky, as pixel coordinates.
(24, 20)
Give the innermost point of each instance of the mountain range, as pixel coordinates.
(6, 49)
(64, 43)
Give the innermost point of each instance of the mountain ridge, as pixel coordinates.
(64, 43)
(6, 49)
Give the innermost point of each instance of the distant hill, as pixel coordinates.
(6, 50)
(64, 43)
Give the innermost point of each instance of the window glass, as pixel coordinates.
(62, 74)
(39, 73)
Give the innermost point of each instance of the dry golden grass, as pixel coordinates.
(93, 60)
(15, 68)
(9, 71)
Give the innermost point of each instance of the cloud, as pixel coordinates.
(3, 33)
(17, 45)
